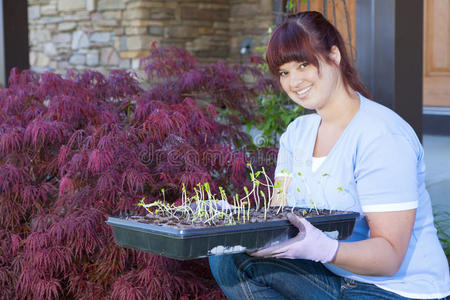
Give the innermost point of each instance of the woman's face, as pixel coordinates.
(305, 86)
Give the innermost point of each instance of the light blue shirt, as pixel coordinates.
(377, 165)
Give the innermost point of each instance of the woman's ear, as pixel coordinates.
(335, 55)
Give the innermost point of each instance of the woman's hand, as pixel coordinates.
(310, 243)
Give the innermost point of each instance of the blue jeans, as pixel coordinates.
(241, 276)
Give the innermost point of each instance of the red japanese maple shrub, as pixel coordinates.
(76, 149)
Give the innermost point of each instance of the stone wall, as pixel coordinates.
(107, 34)
(250, 18)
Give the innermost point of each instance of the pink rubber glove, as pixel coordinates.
(310, 243)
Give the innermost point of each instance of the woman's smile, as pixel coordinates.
(304, 92)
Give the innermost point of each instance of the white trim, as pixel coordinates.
(390, 207)
(317, 162)
(436, 110)
(416, 295)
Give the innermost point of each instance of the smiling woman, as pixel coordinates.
(309, 40)
(375, 158)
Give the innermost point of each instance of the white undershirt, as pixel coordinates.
(316, 162)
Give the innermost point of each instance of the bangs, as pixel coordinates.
(290, 42)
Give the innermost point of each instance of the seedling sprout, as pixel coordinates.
(203, 205)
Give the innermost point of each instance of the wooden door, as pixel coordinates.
(436, 80)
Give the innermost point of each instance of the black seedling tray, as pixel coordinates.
(191, 243)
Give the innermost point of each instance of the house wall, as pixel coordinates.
(251, 18)
(108, 34)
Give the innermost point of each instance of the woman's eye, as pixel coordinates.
(282, 73)
(303, 65)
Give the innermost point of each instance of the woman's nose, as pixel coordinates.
(295, 80)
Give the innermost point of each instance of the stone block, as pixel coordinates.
(110, 4)
(53, 65)
(109, 57)
(32, 57)
(138, 42)
(193, 13)
(135, 30)
(62, 38)
(112, 15)
(107, 23)
(40, 35)
(162, 14)
(136, 14)
(125, 63)
(33, 2)
(40, 69)
(123, 43)
(32, 37)
(51, 27)
(135, 63)
(101, 37)
(92, 58)
(80, 40)
(197, 23)
(34, 12)
(134, 54)
(205, 30)
(221, 25)
(63, 65)
(66, 26)
(210, 5)
(79, 16)
(116, 42)
(147, 4)
(49, 20)
(200, 43)
(266, 7)
(119, 31)
(90, 5)
(39, 59)
(50, 49)
(142, 23)
(155, 30)
(222, 33)
(77, 59)
(70, 5)
(95, 16)
(181, 32)
(244, 10)
(49, 10)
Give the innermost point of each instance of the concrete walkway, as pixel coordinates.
(437, 160)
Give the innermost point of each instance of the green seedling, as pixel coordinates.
(164, 196)
(314, 205)
(207, 209)
(243, 210)
(265, 204)
(235, 202)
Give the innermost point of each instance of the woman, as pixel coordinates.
(353, 154)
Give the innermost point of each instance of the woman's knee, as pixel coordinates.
(217, 263)
(225, 267)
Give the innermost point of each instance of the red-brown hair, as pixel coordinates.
(306, 36)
